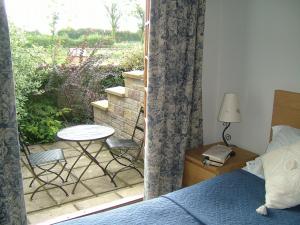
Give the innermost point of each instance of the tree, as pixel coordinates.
(139, 14)
(114, 14)
(54, 17)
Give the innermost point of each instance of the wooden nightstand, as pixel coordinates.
(195, 171)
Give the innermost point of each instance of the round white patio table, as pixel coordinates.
(87, 133)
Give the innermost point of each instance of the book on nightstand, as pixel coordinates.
(217, 155)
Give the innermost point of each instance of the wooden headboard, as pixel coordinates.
(286, 108)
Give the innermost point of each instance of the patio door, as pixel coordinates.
(146, 51)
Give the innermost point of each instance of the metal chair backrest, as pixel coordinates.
(24, 148)
(137, 125)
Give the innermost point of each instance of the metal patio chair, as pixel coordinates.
(46, 161)
(122, 148)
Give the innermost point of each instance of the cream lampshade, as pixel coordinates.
(229, 113)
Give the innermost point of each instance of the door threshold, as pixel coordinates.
(97, 209)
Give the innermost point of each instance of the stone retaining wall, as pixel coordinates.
(122, 110)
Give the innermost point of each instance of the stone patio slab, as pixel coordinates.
(92, 172)
(130, 177)
(131, 191)
(35, 148)
(60, 197)
(26, 172)
(27, 189)
(40, 200)
(45, 215)
(94, 147)
(55, 145)
(104, 156)
(96, 201)
(71, 152)
(115, 166)
(83, 161)
(102, 184)
(74, 144)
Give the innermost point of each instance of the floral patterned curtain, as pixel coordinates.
(174, 100)
(12, 208)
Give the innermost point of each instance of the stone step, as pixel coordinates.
(135, 74)
(118, 91)
(102, 104)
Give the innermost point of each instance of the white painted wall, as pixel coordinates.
(251, 47)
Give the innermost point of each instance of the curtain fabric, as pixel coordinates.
(12, 208)
(174, 98)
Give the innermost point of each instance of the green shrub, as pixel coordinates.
(90, 41)
(93, 40)
(42, 122)
(27, 70)
(133, 60)
(121, 35)
(111, 81)
(127, 36)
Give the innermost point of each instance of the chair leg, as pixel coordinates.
(39, 174)
(44, 182)
(56, 185)
(50, 171)
(131, 165)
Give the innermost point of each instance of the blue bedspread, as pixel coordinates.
(230, 199)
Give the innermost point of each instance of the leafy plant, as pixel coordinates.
(42, 122)
(133, 60)
(26, 68)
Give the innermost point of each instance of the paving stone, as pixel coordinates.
(102, 184)
(23, 160)
(96, 201)
(27, 189)
(115, 166)
(35, 148)
(92, 148)
(83, 161)
(131, 191)
(26, 172)
(45, 215)
(69, 153)
(92, 172)
(74, 144)
(55, 145)
(104, 156)
(40, 200)
(60, 197)
(131, 176)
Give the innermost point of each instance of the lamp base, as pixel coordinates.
(226, 137)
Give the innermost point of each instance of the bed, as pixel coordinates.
(227, 199)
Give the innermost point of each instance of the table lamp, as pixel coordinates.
(229, 113)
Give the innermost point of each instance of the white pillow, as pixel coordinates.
(282, 136)
(282, 175)
(255, 167)
(276, 129)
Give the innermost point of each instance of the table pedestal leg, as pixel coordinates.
(93, 159)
